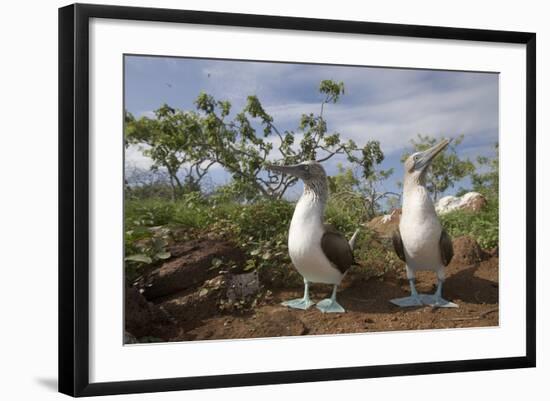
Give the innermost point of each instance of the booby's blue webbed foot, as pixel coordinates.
(412, 300)
(300, 303)
(437, 301)
(330, 305)
(406, 302)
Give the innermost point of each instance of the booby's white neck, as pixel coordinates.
(309, 210)
(417, 199)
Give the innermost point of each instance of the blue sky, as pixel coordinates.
(387, 104)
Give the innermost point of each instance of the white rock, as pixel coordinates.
(471, 200)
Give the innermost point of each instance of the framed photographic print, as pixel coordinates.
(251, 199)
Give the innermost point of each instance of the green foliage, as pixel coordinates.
(148, 228)
(372, 156)
(362, 194)
(144, 246)
(482, 225)
(485, 177)
(332, 90)
(345, 217)
(446, 168)
(377, 256)
(260, 229)
(173, 141)
(249, 210)
(188, 143)
(344, 181)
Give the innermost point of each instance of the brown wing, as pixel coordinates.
(336, 249)
(446, 247)
(398, 245)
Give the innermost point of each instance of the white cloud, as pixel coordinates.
(394, 122)
(146, 113)
(390, 105)
(134, 158)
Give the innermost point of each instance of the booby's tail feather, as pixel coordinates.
(353, 238)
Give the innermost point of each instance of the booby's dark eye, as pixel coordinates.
(416, 157)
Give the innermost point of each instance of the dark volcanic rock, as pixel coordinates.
(197, 304)
(190, 266)
(142, 318)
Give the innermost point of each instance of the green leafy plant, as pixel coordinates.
(482, 225)
(485, 178)
(145, 246)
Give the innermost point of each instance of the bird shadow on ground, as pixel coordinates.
(373, 296)
(466, 286)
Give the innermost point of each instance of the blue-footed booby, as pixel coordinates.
(319, 252)
(420, 241)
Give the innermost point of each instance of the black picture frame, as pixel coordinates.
(74, 198)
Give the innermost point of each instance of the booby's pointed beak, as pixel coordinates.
(293, 170)
(426, 157)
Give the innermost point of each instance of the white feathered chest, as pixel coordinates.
(304, 243)
(420, 230)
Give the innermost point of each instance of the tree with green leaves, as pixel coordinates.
(364, 187)
(446, 169)
(485, 176)
(173, 141)
(243, 153)
(196, 140)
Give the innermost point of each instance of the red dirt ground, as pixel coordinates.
(197, 316)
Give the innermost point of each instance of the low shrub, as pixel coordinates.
(482, 225)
